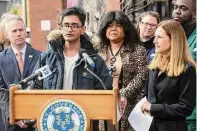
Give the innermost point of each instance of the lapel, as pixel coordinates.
(153, 74)
(13, 62)
(28, 59)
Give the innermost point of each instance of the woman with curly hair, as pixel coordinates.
(125, 57)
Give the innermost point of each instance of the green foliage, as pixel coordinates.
(15, 9)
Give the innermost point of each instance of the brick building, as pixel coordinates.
(43, 10)
(45, 13)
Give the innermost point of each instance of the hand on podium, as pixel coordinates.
(26, 123)
(21, 124)
(30, 123)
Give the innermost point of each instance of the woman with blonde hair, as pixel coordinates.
(4, 42)
(171, 85)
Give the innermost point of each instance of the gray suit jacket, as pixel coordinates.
(10, 74)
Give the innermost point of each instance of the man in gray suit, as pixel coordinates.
(16, 63)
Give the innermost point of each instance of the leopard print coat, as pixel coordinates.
(132, 78)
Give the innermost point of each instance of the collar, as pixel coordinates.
(149, 44)
(58, 45)
(23, 50)
(189, 29)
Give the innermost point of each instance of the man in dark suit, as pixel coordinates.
(16, 63)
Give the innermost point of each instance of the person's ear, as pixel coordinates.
(194, 15)
(83, 30)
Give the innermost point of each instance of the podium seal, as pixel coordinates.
(63, 115)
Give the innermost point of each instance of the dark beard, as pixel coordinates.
(189, 28)
(188, 21)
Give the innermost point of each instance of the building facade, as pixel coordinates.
(44, 14)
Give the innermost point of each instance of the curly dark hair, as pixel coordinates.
(131, 34)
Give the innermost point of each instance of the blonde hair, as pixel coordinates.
(3, 20)
(179, 53)
(13, 17)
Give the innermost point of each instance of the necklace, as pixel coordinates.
(112, 67)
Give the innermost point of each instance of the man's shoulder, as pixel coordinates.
(4, 52)
(36, 51)
(96, 56)
(98, 59)
(194, 32)
(192, 37)
(33, 50)
(49, 53)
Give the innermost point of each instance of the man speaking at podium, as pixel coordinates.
(68, 53)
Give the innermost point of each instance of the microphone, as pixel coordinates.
(41, 73)
(83, 53)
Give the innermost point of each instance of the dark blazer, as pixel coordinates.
(150, 49)
(10, 74)
(172, 99)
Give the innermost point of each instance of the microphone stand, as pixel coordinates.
(86, 67)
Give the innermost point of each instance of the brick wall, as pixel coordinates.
(50, 10)
(42, 10)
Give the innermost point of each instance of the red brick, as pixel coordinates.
(43, 10)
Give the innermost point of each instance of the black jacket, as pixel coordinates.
(82, 79)
(150, 49)
(172, 99)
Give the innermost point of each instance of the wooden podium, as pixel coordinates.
(97, 104)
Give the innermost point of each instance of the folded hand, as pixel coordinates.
(21, 124)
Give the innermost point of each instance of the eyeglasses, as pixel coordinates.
(73, 26)
(148, 24)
